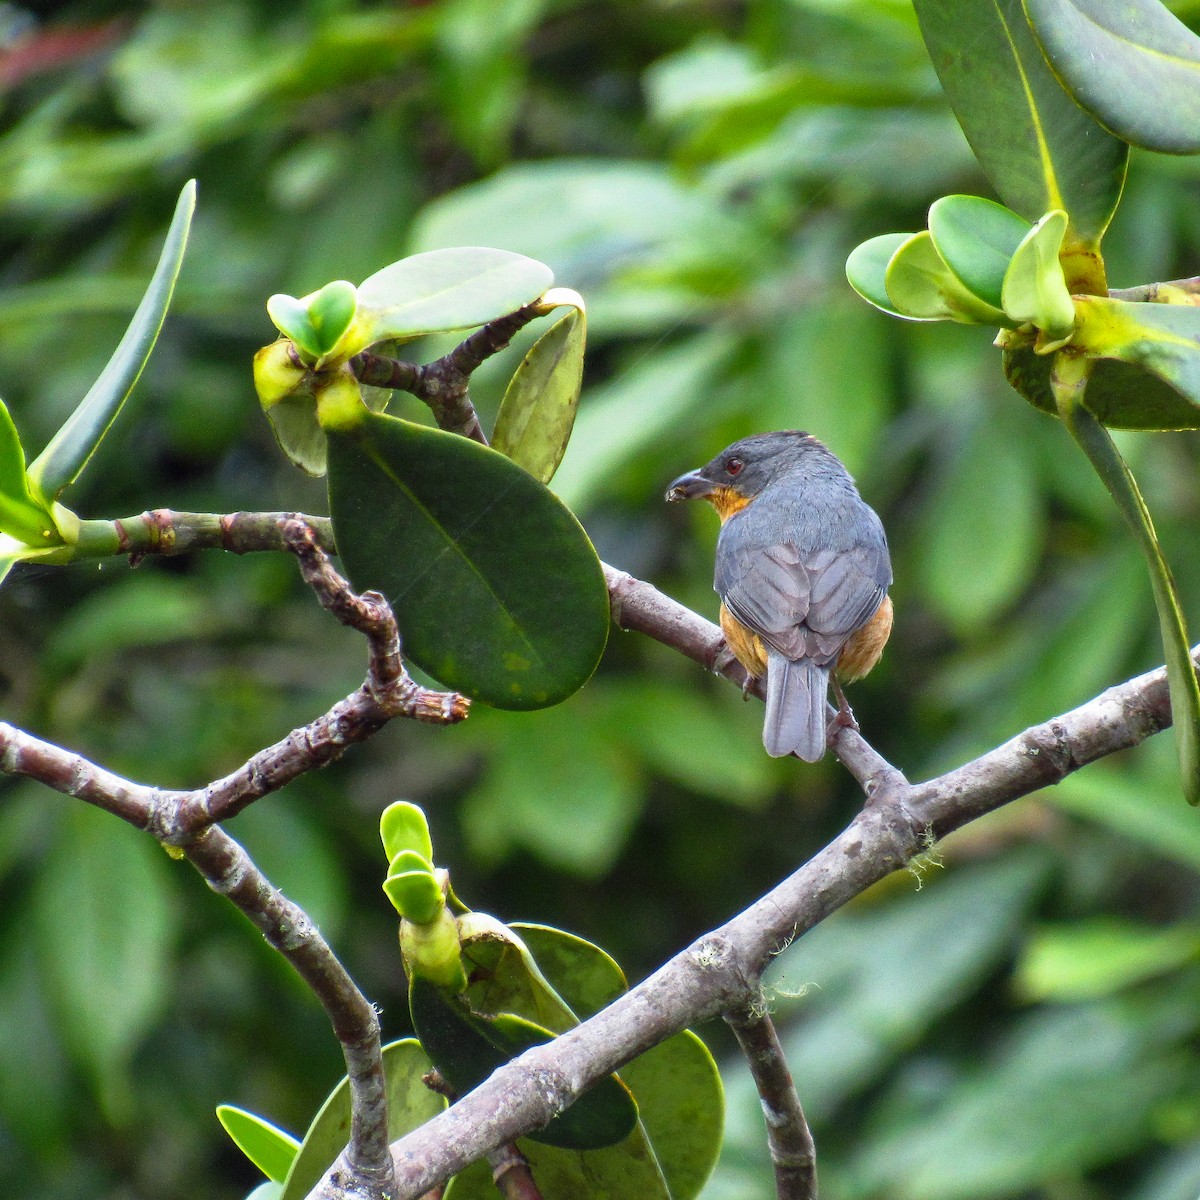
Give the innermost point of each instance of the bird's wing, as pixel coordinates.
(805, 605)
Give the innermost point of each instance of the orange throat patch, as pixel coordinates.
(727, 501)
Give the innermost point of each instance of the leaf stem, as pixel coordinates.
(1068, 380)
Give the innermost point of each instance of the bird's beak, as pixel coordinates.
(690, 487)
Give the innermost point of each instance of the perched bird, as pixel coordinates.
(802, 571)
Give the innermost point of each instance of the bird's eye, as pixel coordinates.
(733, 466)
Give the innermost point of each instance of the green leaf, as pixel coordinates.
(409, 860)
(866, 271)
(1134, 66)
(1163, 340)
(627, 1169)
(1034, 288)
(71, 447)
(1097, 444)
(22, 515)
(317, 321)
(921, 285)
(415, 895)
(496, 587)
(585, 976)
(682, 1104)
(403, 826)
(538, 409)
(467, 1048)
(1087, 959)
(410, 1104)
(267, 1191)
(1122, 395)
(976, 239)
(442, 290)
(1040, 150)
(106, 961)
(271, 1149)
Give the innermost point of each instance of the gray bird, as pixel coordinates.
(802, 570)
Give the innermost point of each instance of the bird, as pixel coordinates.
(803, 571)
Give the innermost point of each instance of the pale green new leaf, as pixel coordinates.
(271, 1149)
(71, 447)
(1034, 288)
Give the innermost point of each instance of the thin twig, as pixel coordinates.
(443, 384)
(789, 1139)
(230, 871)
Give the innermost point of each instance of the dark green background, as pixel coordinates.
(1019, 1022)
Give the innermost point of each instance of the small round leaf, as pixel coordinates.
(976, 239)
(403, 827)
(416, 895)
(866, 269)
(923, 287)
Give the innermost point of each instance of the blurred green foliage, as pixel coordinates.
(1024, 1024)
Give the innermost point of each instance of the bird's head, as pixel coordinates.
(741, 471)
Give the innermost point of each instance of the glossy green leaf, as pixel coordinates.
(467, 1048)
(676, 1085)
(1134, 66)
(976, 239)
(271, 1149)
(538, 409)
(1163, 340)
(1098, 957)
(505, 977)
(1121, 394)
(415, 895)
(71, 447)
(317, 321)
(1097, 444)
(679, 1094)
(410, 1105)
(267, 1191)
(1034, 288)
(107, 960)
(584, 975)
(921, 285)
(496, 587)
(1040, 150)
(403, 826)
(627, 1169)
(442, 290)
(866, 270)
(22, 515)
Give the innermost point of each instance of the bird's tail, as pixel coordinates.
(796, 699)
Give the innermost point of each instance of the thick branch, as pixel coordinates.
(719, 973)
(789, 1139)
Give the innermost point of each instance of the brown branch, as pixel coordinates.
(1149, 292)
(719, 973)
(230, 872)
(443, 383)
(789, 1139)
